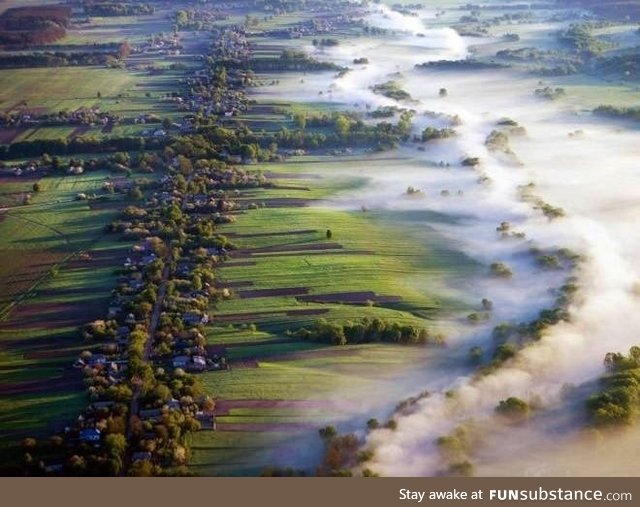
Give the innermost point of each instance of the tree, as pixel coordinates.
(342, 125)
(115, 444)
(476, 354)
(328, 432)
(248, 152)
(136, 194)
(162, 393)
(329, 234)
(36, 187)
(301, 121)
(99, 94)
(514, 408)
(124, 51)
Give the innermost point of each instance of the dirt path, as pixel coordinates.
(153, 325)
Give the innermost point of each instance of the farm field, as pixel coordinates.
(58, 292)
(289, 274)
(49, 231)
(70, 88)
(67, 88)
(115, 29)
(40, 340)
(272, 411)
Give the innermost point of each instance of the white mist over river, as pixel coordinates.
(593, 175)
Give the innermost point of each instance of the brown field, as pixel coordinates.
(23, 271)
(70, 380)
(263, 427)
(296, 247)
(223, 407)
(271, 234)
(7, 135)
(349, 298)
(249, 317)
(266, 293)
(79, 131)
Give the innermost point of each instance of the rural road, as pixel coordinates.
(153, 324)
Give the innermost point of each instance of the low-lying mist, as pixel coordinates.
(577, 164)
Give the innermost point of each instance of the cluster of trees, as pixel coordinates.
(55, 59)
(385, 112)
(81, 144)
(618, 403)
(366, 331)
(628, 113)
(291, 60)
(551, 62)
(27, 26)
(109, 8)
(550, 93)
(341, 454)
(455, 449)
(432, 134)
(198, 19)
(468, 64)
(580, 38)
(326, 42)
(391, 90)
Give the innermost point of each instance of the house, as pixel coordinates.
(152, 413)
(100, 405)
(141, 456)
(173, 404)
(198, 363)
(207, 420)
(148, 259)
(180, 361)
(90, 435)
(193, 319)
(97, 359)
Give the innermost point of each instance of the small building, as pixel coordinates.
(207, 420)
(141, 456)
(193, 319)
(198, 363)
(180, 361)
(152, 413)
(97, 359)
(90, 435)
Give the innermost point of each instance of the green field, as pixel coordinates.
(336, 383)
(122, 92)
(68, 88)
(57, 291)
(379, 251)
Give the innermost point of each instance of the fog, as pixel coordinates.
(593, 176)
